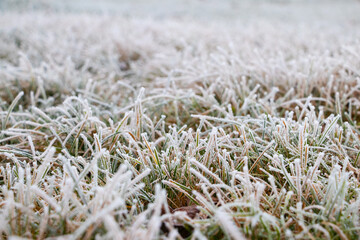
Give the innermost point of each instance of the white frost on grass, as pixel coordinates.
(108, 124)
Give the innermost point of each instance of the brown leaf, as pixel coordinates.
(191, 211)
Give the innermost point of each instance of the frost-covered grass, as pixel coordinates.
(110, 126)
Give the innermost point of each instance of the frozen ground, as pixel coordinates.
(176, 119)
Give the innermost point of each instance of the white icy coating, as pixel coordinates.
(247, 110)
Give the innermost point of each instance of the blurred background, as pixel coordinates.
(202, 10)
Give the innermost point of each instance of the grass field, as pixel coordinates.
(240, 121)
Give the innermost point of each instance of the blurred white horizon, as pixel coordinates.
(202, 10)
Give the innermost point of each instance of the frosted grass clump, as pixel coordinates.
(133, 129)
